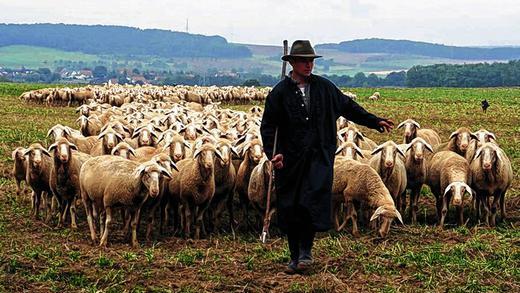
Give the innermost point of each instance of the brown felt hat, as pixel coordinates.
(301, 48)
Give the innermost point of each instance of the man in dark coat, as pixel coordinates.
(304, 107)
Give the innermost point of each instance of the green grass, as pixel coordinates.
(17, 56)
(38, 257)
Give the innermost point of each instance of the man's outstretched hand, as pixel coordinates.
(278, 161)
(385, 124)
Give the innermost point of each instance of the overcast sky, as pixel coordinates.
(451, 22)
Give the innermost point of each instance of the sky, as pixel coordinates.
(450, 22)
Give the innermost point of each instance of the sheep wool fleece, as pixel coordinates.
(307, 141)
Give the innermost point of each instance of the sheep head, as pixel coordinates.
(389, 151)
(417, 147)
(461, 137)
(458, 189)
(204, 154)
(483, 136)
(165, 161)
(34, 153)
(253, 150)
(351, 134)
(18, 154)
(387, 213)
(62, 150)
(490, 155)
(410, 129)
(110, 139)
(123, 150)
(150, 174)
(227, 151)
(58, 131)
(349, 150)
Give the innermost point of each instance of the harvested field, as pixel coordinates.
(35, 257)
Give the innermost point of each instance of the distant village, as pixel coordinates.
(100, 74)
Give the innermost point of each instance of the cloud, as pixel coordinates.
(462, 22)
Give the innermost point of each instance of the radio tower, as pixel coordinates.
(187, 27)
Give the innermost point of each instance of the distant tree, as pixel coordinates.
(135, 71)
(251, 82)
(359, 80)
(100, 71)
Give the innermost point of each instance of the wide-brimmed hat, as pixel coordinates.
(301, 48)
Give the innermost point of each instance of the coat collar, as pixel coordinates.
(312, 78)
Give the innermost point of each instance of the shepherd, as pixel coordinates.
(304, 108)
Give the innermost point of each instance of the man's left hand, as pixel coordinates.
(385, 124)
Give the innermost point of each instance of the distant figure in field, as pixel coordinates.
(485, 105)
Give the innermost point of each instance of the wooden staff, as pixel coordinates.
(267, 216)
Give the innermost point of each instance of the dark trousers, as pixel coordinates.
(300, 234)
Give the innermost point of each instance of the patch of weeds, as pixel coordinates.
(114, 276)
(274, 255)
(332, 246)
(104, 261)
(130, 256)
(299, 287)
(250, 262)
(149, 254)
(187, 289)
(188, 256)
(462, 230)
(74, 255)
(12, 266)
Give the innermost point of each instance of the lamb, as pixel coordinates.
(89, 126)
(459, 141)
(124, 150)
(416, 171)
(108, 181)
(225, 175)
(357, 182)
(195, 186)
(39, 165)
(391, 169)
(258, 187)
(448, 172)
(491, 176)
(109, 139)
(482, 136)
(352, 134)
(19, 168)
(64, 177)
(412, 130)
(58, 131)
(351, 151)
(375, 96)
(252, 152)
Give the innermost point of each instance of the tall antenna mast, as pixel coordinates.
(187, 26)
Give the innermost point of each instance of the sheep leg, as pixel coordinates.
(487, 208)
(63, 213)
(48, 206)
(135, 220)
(72, 209)
(229, 204)
(102, 220)
(444, 210)
(18, 188)
(477, 207)
(108, 220)
(460, 213)
(494, 206)
(414, 204)
(503, 205)
(151, 222)
(187, 219)
(90, 220)
(35, 204)
(438, 204)
(199, 214)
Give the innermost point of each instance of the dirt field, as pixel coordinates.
(35, 257)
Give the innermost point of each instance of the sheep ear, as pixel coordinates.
(49, 132)
(473, 135)
(218, 154)
(174, 166)
(154, 134)
(428, 146)
(27, 151)
(358, 151)
(399, 217)
(187, 144)
(360, 135)
(165, 172)
(399, 150)
(448, 188)
(52, 147)
(160, 138)
(45, 152)
(401, 124)
(340, 137)
(136, 133)
(416, 124)
(118, 135)
(114, 150)
(377, 150)
(73, 146)
(377, 213)
(197, 152)
(132, 152)
(339, 149)
(492, 135)
(139, 171)
(453, 134)
(479, 151)
(199, 130)
(234, 151)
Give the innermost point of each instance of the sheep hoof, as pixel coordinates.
(356, 234)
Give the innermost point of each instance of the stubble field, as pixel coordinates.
(36, 257)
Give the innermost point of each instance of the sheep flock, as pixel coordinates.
(172, 160)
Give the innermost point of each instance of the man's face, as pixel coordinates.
(302, 66)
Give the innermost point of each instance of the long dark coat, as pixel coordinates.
(307, 141)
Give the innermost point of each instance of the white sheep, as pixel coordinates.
(109, 181)
(19, 168)
(412, 129)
